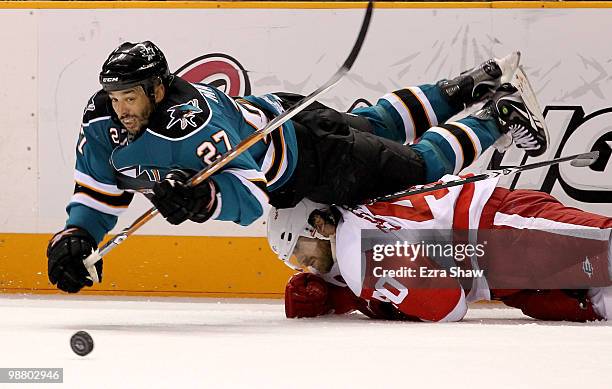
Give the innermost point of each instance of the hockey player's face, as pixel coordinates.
(133, 108)
(314, 253)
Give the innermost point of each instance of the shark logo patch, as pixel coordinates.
(184, 113)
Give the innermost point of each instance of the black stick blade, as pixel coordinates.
(360, 38)
(586, 159)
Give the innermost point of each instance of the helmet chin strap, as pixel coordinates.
(148, 87)
(153, 103)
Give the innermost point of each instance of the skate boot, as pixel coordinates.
(478, 84)
(515, 118)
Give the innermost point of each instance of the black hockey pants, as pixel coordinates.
(338, 164)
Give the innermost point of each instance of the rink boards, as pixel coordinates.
(50, 70)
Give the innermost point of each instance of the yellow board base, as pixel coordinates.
(178, 266)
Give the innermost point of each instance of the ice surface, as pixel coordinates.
(204, 343)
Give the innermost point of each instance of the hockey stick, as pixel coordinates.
(578, 160)
(249, 141)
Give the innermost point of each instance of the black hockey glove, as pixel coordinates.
(178, 202)
(65, 253)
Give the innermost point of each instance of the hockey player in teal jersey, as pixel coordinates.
(148, 130)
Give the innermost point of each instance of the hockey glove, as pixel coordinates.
(306, 296)
(177, 201)
(65, 253)
(309, 295)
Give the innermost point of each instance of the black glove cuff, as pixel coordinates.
(72, 231)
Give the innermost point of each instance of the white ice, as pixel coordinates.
(204, 343)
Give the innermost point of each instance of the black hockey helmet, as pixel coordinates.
(133, 64)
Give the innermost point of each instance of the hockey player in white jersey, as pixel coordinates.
(549, 260)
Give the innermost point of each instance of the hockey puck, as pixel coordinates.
(81, 343)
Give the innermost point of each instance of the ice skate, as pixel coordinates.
(516, 118)
(480, 83)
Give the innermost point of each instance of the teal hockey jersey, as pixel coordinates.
(193, 126)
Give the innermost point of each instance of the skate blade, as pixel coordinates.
(521, 82)
(509, 64)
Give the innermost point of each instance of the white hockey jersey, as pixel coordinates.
(497, 217)
(456, 207)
